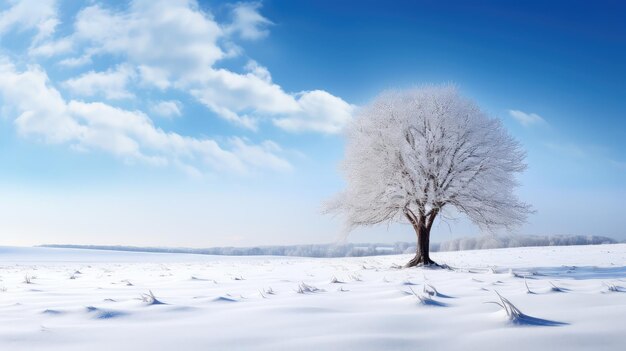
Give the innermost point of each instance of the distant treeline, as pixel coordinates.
(504, 241)
(312, 250)
(359, 250)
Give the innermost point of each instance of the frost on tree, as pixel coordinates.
(412, 154)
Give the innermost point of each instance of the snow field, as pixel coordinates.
(103, 300)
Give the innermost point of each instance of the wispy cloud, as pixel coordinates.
(38, 15)
(618, 164)
(112, 84)
(167, 109)
(247, 22)
(527, 119)
(585, 153)
(568, 149)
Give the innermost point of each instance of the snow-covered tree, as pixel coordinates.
(411, 154)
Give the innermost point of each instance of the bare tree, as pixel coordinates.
(410, 154)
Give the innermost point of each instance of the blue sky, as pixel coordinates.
(206, 124)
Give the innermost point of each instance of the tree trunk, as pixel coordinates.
(422, 256)
(422, 230)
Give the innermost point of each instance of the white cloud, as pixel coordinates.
(320, 112)
(171, 35)
(52, 48)
(261, 155)
(247, 22)
(41, 112)
(154, 44)
(154, 76)
(76, 61)
(526, 119)
(175, 45)
(111, 84)
(228, 93)
(38, 15)
(167, 109)
(258, 71)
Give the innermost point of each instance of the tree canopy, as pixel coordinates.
(412, 154)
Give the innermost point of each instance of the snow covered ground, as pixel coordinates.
(64, 299)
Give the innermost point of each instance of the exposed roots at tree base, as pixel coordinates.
(421, 261)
